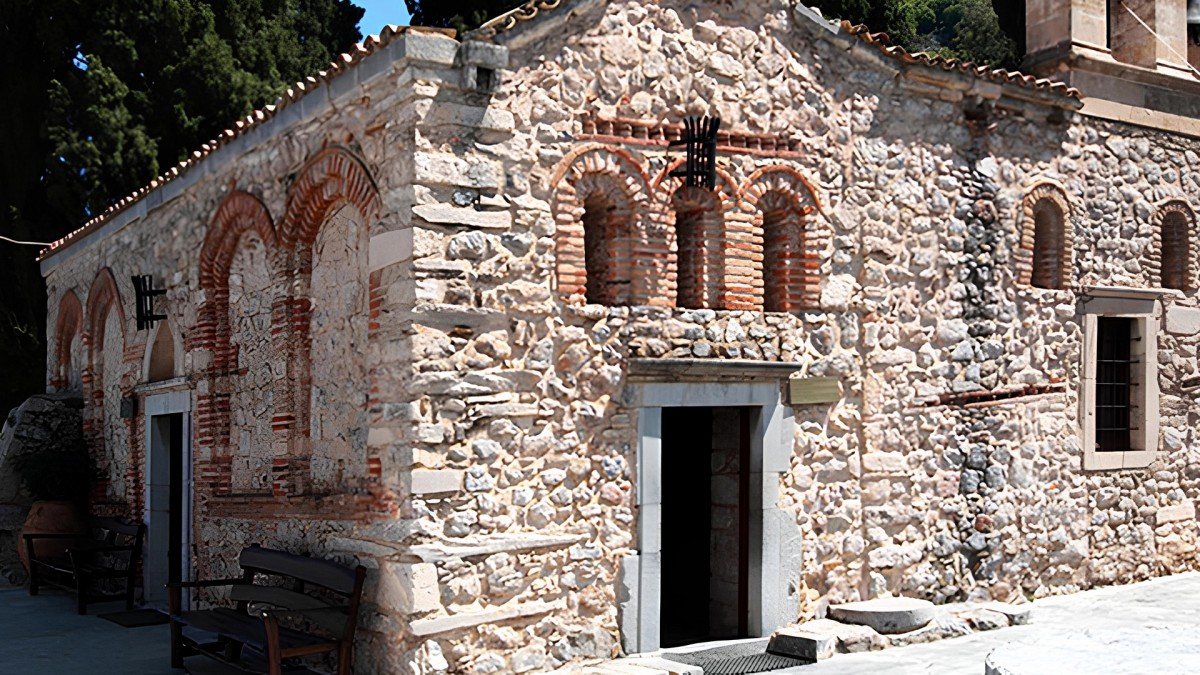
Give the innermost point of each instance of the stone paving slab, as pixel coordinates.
(1148, 627)
(44, 636)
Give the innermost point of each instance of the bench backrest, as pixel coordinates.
(344, 581)
(118, 532)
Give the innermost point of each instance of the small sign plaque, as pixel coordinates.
(812, 390)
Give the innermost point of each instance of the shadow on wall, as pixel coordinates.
(43, 423)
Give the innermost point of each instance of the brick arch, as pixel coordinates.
(602, 250)
(1045, 256)
(240, 213)
(1176, 263)
(329, 180)
(712, 266)
(332, 179)
(67, 326)
(780, 203)
(102, 297)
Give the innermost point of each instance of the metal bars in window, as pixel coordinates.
(700, 141)
(1114, 383)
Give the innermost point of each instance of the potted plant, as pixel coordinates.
(57, 479)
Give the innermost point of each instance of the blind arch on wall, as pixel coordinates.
(1045, 256)
(1174, 243)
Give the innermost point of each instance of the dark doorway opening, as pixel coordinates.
(165, 555)
(705, 525)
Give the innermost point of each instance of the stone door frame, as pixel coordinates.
(166, 398)
(774, 538)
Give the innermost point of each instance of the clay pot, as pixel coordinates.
(51, 517)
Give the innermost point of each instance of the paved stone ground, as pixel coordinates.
(44, 636)
(1149, 627)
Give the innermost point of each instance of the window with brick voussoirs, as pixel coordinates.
(1048, 245)
(607, 243)
(1175, 250)
(784, 272)
(699, 240)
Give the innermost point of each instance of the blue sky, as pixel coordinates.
(379, 13)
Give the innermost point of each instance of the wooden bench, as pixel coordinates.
(111, 552)
(251, 637)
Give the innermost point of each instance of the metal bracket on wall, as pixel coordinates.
(144, 293)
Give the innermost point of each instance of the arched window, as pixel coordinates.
(1047, 245)
(783, 253)
(1045, 257)
(699, 237)
(607, 242)
(1175, 250)
(68, 336)
(600, 204)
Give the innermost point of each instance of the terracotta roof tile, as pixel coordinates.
(340, 64)
(881, 42)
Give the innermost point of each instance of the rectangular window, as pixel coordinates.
(1119, 388)
(1114, 386)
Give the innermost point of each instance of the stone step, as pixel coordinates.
(885, 615)
(802, 644)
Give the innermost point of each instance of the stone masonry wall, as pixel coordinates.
(489, 479)
(275, 255)
(950, 469)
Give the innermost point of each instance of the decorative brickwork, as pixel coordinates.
(1045, 258)
(68, 344)
(334, 178)
(107, 435)
(240, 223)
(604, 254)
(714, 264)
(781, 204)
(1174, 242)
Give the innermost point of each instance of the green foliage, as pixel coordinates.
(104, 96)
(966, 29)
(462, 15)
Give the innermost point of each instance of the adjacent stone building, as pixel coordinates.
(455, 309)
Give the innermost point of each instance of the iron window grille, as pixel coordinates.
(1114, 383)
(700, 140)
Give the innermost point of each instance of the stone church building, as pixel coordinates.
(475, 313)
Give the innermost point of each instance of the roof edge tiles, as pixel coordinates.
(504, 23)
(881, 41)
(242, 126)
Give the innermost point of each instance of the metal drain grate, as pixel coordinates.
(740, 659)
